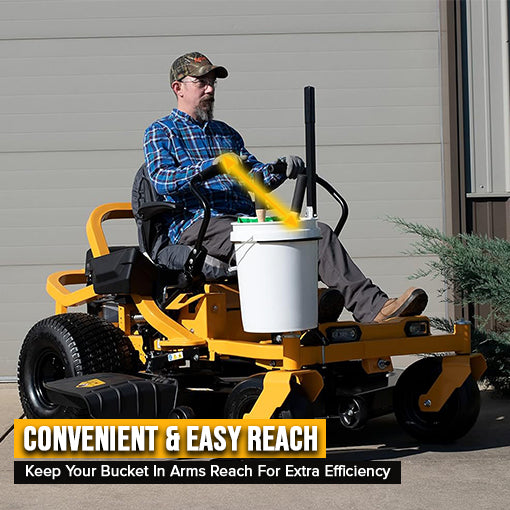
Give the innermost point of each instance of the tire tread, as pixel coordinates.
(89, 343)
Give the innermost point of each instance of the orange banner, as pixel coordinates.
(163, 439)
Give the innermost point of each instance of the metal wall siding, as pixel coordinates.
(80, 81)
(71, 19)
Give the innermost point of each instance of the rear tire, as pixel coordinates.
(454, 420)
(68, 345)
(244, 395)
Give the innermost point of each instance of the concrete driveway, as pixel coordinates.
(474, 473)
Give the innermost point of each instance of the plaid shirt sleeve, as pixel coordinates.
(271, 180)
(171, 169)
(161, 149)
(176, 148)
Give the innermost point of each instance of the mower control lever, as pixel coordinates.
(299, 193)
(195, 262)
(279, 166)
(292, 166)
(206, 174)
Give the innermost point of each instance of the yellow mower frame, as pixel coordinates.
(215, 323)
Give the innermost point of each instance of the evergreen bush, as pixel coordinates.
(476, 270)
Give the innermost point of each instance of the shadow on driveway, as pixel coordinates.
(383, 439)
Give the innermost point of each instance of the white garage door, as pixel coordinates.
(80, 81)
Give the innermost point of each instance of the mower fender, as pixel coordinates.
(455, 370)
(277, 386)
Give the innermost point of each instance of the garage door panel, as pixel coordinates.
(80, 81)
(95, 19)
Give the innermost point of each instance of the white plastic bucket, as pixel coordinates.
(277, 270)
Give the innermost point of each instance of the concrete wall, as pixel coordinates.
(80, 81)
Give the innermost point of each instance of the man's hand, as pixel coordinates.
(217, 167)
(241, 160)
(291, 166)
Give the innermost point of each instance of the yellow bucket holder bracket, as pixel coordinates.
(277, 388)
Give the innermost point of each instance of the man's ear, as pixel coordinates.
(177, 88)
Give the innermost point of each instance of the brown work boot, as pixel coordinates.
(412, 302)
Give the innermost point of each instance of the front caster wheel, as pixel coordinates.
(455, 418)
(182, 413)
(352, 413)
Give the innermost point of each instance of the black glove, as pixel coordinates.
(291, 166)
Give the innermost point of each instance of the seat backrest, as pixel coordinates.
(152, 230)
(151, 213)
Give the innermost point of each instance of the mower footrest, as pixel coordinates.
(111, 395)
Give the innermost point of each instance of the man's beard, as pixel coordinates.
(205, 109)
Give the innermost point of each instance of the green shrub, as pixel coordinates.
(476, 270)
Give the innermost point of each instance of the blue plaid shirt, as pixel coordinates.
(177, 147)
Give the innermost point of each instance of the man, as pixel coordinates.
(188, 141)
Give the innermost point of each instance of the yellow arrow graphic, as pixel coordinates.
(230, 164)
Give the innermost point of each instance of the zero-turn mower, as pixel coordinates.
(171, 343)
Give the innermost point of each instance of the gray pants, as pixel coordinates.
(336, 268)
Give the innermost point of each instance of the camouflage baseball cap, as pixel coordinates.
(194, 64)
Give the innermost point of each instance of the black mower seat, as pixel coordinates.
(152, 214)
